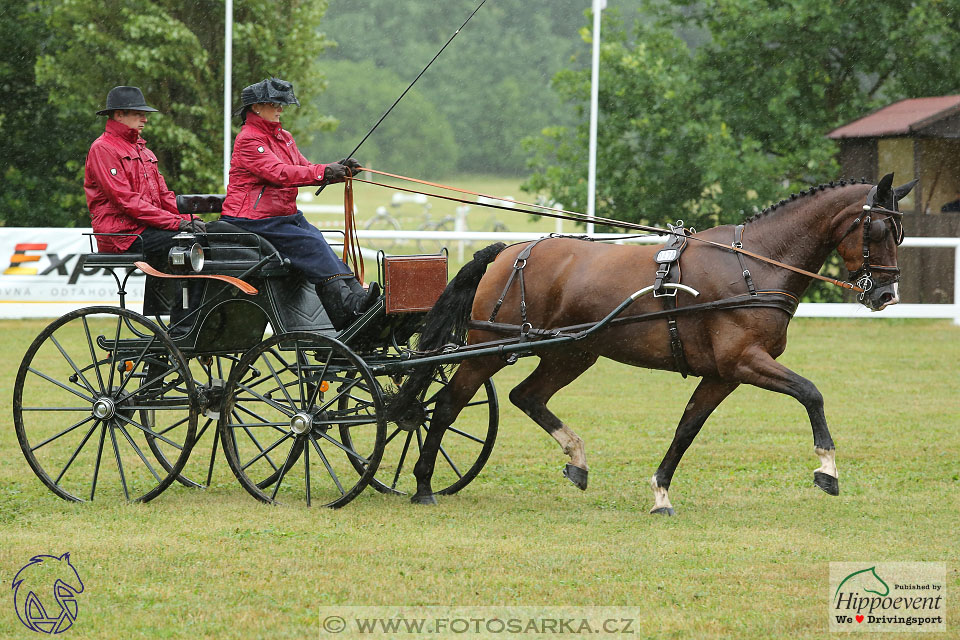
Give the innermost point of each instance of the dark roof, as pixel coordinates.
(900, 118)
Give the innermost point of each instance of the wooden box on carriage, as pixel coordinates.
(413, 283)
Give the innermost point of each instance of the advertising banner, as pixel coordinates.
(41, 274)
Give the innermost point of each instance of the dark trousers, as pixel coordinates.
(300, 242)
(155, 244)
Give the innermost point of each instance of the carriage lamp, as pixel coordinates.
(187, 255)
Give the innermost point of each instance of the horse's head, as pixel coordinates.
(869, 246)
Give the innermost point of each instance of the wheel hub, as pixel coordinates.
(104, 408)
(301, 423)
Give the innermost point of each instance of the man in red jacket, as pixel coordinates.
(126, 194)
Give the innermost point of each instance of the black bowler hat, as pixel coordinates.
(125, 98)
(273, 90)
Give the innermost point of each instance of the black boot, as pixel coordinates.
(344, 302)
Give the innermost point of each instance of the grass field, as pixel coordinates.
(746, 556)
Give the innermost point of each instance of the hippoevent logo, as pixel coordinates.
(893, 596)
(45, 594)
(21, 257)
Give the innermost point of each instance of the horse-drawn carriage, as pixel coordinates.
(317, 414)
(108, 387)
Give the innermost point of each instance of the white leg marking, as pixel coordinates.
(572, 445)
(660, 497)
(828, 463)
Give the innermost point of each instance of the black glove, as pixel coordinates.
(334, 172)
(352, 164)
(193, 226)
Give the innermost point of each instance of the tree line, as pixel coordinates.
(709, 109)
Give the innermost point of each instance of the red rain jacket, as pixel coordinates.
(265, 170)
(125, 191)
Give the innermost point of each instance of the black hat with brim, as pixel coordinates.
(129, 98)
(270, 90)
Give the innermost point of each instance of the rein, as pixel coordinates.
(576, 216)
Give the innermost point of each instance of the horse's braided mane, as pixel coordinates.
(843, 182)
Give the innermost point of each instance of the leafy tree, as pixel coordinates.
(492, 84)
(665, 151)
(413, 139)
(174, 52)
(37, 174)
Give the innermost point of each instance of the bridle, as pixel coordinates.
(874, 231)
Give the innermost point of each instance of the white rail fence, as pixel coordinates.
(44, 278)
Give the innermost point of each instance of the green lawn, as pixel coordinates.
(746, 556)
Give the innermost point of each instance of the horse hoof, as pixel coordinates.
(663, 511)
(428, 499)
(826, 482)
(576, 475)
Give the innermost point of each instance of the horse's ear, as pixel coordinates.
(885, 183)
(901, 192)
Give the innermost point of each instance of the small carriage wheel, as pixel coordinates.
(209, 373)
(285, 407)
(79, 398)
(465, 448)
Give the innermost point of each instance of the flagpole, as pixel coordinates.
(227, 88)
(598, 6)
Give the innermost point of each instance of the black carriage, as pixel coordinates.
(110, 400)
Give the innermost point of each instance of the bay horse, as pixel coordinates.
(570, 281)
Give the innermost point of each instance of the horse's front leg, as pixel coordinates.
(708, 394)
(761, 370)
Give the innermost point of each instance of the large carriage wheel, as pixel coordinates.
(285, 408)
(465, 448)
(80, 396)
(210, 374)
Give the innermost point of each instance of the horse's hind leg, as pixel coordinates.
(451, 400)
(761, 370)
(706, 397)
(554, 372)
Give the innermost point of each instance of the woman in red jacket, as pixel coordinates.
(265, 170)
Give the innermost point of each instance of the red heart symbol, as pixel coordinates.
(859, 618)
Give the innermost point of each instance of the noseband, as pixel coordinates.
(873, 231)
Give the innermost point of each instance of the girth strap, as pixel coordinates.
(738, 244)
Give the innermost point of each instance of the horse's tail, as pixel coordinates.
(445, 323)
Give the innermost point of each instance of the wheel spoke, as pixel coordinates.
(62, 433)
(124, 381)
(149, 432)
(113, 355)
(96, 468)
(139, 453)
(306, 469)
(269, 401)
(260, 448)
(282, 386)
(177, 424)
(93, 356)
(286, 467)
(450, 462)
(392, 435)
(465, 434)
(61, 385)
(267, 450)
(63, 352)
(403, 456)
(116, 452)
(77, 451)
(347, 450)
(323, 372)
(326, 463)
(213, 455)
